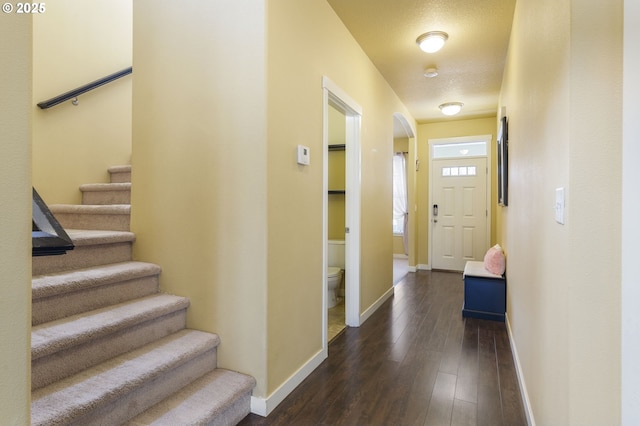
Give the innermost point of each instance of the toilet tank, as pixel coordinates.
(335, 252)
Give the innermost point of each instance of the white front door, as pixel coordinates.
(459, 211)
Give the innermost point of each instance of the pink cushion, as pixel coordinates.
(494, 260)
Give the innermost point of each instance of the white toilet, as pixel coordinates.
(335, 261)
(334, 276)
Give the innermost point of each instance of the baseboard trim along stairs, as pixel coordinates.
(107, 347)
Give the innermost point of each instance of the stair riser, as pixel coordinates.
(150, 393)
(120, 177)
(110, 222)
(234, 413)
(106, 197)
(65, 363)
(222, 397)
(82, 257)
(67, 304)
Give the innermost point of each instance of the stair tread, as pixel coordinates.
(117, 186)
(70, 398)
(80, 279)
(123, 209)
(57, 335)
(200, 401)
(119, 169)
(86, 237)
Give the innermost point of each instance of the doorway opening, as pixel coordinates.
(343, 107)
(336, 222)
(404, 149)
(459, 200)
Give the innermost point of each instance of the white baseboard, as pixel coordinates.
(412, 268)
(259, 406)
(424, 266)
(400, 256)
(264, 406)
(366, 314)
(523, 387)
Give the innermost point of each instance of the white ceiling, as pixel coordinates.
(470, 64)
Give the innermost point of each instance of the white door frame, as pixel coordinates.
(465, 139)
(336, 97)
(630, 211)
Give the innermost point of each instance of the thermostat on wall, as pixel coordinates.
(303, 155)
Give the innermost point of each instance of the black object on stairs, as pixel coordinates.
(48, 238)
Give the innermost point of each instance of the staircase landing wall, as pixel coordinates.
(199, 166)
(76, 42)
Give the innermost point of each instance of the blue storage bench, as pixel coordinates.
(485, 294)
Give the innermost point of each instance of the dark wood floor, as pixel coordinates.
(415, 361)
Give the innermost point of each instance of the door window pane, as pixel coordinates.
(459, 171)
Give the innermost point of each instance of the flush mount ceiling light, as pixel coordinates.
(431, 72)
(432, 41)
(451, 108)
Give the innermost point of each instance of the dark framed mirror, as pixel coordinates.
(503, 163)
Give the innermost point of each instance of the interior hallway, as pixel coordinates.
(415, 361)
(336, 315)
(400, 268)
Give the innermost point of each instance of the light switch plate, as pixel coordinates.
(560, 205)
(303, 155)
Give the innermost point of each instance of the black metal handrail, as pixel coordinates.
(83, 89)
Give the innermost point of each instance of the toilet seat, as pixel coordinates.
(333, 271)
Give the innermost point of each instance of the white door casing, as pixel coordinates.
(333, 95)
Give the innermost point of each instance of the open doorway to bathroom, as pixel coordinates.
(347, 114)
(403, 176)
(336, 222)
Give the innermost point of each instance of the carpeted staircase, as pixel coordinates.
(107, 347)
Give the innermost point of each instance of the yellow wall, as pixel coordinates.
(15, 226)
(564, 280)
(76, 42)
(398, 245)
(439, 130)
(199, 162)
(306, 40)
(218, 198)
(401, 145)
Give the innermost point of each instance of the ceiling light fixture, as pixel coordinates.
(451, 108)
(431, 72)
(432, 41)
